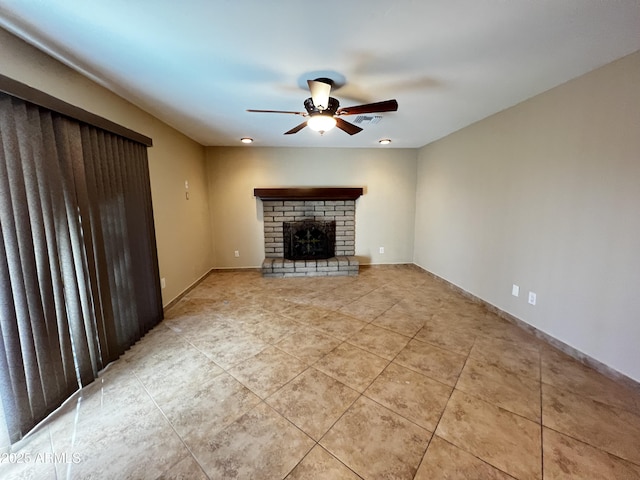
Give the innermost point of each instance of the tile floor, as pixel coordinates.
(386, 375)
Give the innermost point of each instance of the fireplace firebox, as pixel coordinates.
(309, 239)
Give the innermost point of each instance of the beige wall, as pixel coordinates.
(384, 214)
(182, 227)
(546, 195)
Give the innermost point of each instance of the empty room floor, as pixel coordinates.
(390, 374)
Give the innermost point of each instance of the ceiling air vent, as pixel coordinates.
(367, 119)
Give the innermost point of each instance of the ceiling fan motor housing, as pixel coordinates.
(331, 109)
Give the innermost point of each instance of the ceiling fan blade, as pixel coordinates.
(345, 126)
(386, 106)
(296, 129)
(304, 114)
(320, 89)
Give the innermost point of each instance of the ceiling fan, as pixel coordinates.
(324, 112)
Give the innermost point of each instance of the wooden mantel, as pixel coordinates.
(308, 193)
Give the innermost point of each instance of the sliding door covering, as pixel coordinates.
(79, 279)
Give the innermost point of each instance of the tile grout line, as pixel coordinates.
(308, 367)
(174, 431)
(360, 395)
(482, 400)
(433, 434)
(453, 389)
(225, 370)
(565, 434)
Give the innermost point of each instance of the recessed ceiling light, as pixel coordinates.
(246, 140)
(384, 141)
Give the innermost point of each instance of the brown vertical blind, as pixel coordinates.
(79, 279)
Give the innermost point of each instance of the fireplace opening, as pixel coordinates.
(309, 239)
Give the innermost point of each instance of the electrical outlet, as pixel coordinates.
(236, 253)
(532, 298)
(381, 249)
(515, 290)
(163, 282)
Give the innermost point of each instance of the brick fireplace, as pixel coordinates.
(280, 205)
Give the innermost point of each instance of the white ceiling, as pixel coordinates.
(199, 64)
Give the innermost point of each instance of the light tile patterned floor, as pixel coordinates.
(390, 374)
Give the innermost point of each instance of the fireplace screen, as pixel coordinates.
(309, 240)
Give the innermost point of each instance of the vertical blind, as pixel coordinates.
(79, 279)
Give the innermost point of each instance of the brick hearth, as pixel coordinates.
(336, 266)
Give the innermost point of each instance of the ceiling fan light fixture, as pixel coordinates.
(321, 123)
(246, 140)
(384, 141)
(323, 112)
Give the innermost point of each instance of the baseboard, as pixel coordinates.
(237, 269)
(391, 264)
(181, 295)
(574, 353)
